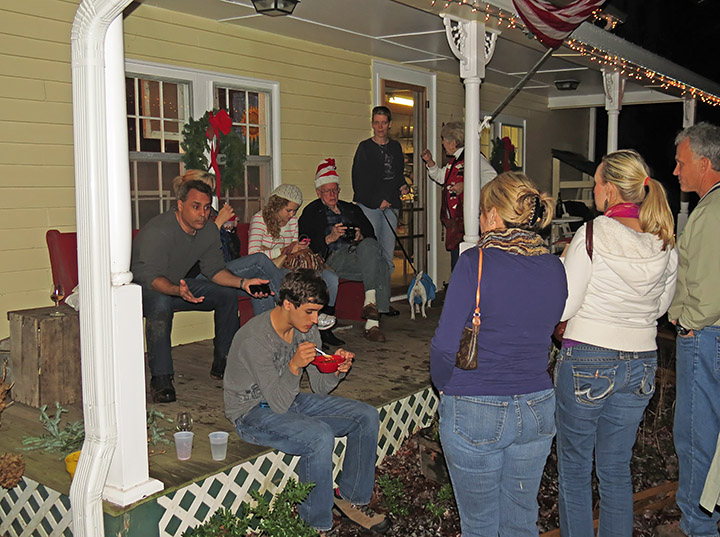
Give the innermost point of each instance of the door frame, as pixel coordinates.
(383, 70)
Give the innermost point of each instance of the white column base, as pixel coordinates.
(135, 493)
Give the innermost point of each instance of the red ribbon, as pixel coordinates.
(218, 123)
(509, 148)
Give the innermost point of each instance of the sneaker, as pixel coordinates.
(326, 321)
(162, 389)
(362, 515)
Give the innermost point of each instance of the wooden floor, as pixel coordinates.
(382, 373)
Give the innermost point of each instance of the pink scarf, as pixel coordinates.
(623, 210)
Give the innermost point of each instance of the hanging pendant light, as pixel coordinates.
(275, 8)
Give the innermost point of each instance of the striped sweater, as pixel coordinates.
(260, 240)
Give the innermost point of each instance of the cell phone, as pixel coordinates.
(261, 288)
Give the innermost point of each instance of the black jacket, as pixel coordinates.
(313, 224)
(368, 172)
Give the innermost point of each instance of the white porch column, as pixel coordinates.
(474, 48)
(689, 105)
(614, 85)
(103, 303)
(128, 479)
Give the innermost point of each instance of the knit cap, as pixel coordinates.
(288, 192)
(326, 173)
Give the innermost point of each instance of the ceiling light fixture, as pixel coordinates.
(275, 8)
(567, 85)
(405, 101)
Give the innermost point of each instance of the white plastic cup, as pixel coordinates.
(183, 444)
(218, 445)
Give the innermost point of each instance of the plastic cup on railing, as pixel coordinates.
(218, 445)
(183, 444)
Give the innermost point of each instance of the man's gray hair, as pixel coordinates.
(704, 142)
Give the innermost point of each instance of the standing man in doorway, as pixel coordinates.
(378, 181)
(695, 310)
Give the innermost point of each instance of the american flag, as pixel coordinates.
(550, 23)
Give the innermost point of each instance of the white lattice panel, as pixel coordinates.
(269, 473)
(33, 510)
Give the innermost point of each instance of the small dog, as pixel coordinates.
(420, 294)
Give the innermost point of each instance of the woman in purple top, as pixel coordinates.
(497, 421)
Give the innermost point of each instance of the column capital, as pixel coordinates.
(466, 39)
(614, 85)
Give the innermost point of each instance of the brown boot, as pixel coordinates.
(375, 334)
(362, 515)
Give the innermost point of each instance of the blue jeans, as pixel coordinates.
(495, 448)
(364, 263)
(601, 396)
(697, 422)
(308, 429)
(258, 266)
(159, 309)
(383, 233)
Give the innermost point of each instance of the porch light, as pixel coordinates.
(275, 8)
(567, 85)
(405, 101)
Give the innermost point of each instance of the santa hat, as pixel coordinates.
(326, 173)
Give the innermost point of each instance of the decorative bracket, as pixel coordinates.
(463, 38)
(614, 85)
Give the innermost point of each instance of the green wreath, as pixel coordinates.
(231, 152)
(502, 157)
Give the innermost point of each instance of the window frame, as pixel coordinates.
(202, 86)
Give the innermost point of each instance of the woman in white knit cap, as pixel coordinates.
(274, 232)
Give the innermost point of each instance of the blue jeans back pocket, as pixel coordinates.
(543, 408)
(478, 421)
(647, 383)
(593, 383)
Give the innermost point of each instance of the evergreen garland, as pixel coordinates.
(231, 152)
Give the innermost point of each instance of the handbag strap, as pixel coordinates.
(476, 313)
(589, 238)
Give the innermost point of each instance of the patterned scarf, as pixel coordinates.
(515, 241)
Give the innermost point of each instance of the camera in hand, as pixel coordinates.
(261, 288)
(349, 234)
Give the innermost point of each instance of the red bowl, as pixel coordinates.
(328, 364)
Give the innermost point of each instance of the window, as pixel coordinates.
(160, 99)
(505, 126)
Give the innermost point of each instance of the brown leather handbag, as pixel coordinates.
(559, 332)
(467, 355)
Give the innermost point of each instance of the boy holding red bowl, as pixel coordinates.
(263, 400)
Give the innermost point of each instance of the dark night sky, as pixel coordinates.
(688, 33)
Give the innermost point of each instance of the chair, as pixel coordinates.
(62, 248)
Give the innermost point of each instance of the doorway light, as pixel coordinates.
(275, 8)
(405, 101)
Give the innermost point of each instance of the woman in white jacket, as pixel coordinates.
(605, 375)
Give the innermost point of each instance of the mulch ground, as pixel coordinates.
(418, 507)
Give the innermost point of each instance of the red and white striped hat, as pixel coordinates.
(326, 173)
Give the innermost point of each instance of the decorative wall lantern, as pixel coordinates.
(275, 8)
(567, 85)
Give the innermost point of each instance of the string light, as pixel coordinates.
(601, 57)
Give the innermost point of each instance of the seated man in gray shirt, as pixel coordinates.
(163, 252)
(263, 400)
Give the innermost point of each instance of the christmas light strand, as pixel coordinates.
(625, 67)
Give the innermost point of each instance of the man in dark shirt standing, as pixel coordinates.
(378, 181)
(163, 252)
(342, 235)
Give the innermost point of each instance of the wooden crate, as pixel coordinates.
(45, 356)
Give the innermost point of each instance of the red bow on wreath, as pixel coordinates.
(509, 154)
(218, 123)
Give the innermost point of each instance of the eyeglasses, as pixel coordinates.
(330, 191)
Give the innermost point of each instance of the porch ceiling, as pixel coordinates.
(412, 33)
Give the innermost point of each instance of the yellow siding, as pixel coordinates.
(325, 99)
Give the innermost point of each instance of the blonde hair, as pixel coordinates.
(627, 170)
(518, 201)
(193, 175)
(270, 214)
